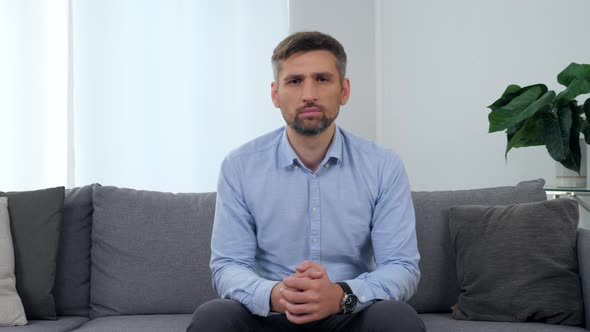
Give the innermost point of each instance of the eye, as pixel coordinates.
(294, 81)
(323, 79)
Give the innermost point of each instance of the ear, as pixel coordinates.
(274, 94)
(345, 93)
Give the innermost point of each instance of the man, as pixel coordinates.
(314, 227)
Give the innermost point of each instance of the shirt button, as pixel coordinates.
(314, 209)
(362, 298)
(327, 165)
(296, 167)
(315, 240)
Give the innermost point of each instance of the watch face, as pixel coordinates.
(350, 303)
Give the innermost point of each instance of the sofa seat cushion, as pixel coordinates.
(138, 323)
(61, 324)
(445, 323)
(150, 252)
(438, 288)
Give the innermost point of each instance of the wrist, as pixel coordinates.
(275, 297)
(339, 296)
(349, 301)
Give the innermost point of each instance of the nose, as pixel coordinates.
(309, 92)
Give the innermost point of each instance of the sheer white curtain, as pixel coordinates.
(162, 90)
(33, 94)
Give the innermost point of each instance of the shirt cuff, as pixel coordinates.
(365, 298)
(261, 298)
(361, 291)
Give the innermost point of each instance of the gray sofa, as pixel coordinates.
(138, 260)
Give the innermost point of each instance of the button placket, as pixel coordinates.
(315, 229)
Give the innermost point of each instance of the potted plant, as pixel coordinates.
(534, 115)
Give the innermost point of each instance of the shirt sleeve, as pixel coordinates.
(233, 247)
(393, 234)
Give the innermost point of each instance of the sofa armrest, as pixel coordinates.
(583, 246)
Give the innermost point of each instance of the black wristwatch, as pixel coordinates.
(349, 300)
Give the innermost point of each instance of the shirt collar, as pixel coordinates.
(335, 150)
(288, 157)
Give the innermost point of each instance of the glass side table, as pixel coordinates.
(573, 193)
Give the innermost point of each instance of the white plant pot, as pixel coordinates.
(566, 178)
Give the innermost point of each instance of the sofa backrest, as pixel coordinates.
(439, 289)
(146, 252)
(150, 252)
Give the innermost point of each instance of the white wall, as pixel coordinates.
(443, 62)
(352, 23)
(429, 68)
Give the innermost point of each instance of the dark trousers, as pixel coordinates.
(227, 315)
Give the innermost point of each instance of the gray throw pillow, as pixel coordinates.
(150, 252)
(35, 220)
(11, 307)
(72, 281)
(438, 288)
(518, 262)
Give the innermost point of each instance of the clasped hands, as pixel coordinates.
(307, 295)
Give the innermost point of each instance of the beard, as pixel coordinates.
(299, 126)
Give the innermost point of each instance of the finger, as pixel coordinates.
(289, 285)
(299, 309)
(311, 273)
(300, 319)
(304, 266)
(291, 296)
(311, 270)
(297, 297)
(297, 283)
(287, 288)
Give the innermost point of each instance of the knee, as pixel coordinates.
(217, 315)
(219, 307)
(394, 316)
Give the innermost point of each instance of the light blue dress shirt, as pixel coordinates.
(353, 215)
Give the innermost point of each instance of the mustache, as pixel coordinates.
(311, 104)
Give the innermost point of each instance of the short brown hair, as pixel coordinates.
(308, 41)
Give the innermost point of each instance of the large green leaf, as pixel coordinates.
(585, 125)
(527, 103)
(561, 132)
(526, 133)
(576, 78)
(510, 93)
(573, 72)
(574, 163)
(556, 140)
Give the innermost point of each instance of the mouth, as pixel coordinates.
(310, 111)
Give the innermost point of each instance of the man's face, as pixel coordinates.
(309, 91)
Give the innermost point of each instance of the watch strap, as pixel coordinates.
(349, 300)
(347, 290)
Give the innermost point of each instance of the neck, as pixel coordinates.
(311, 150)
